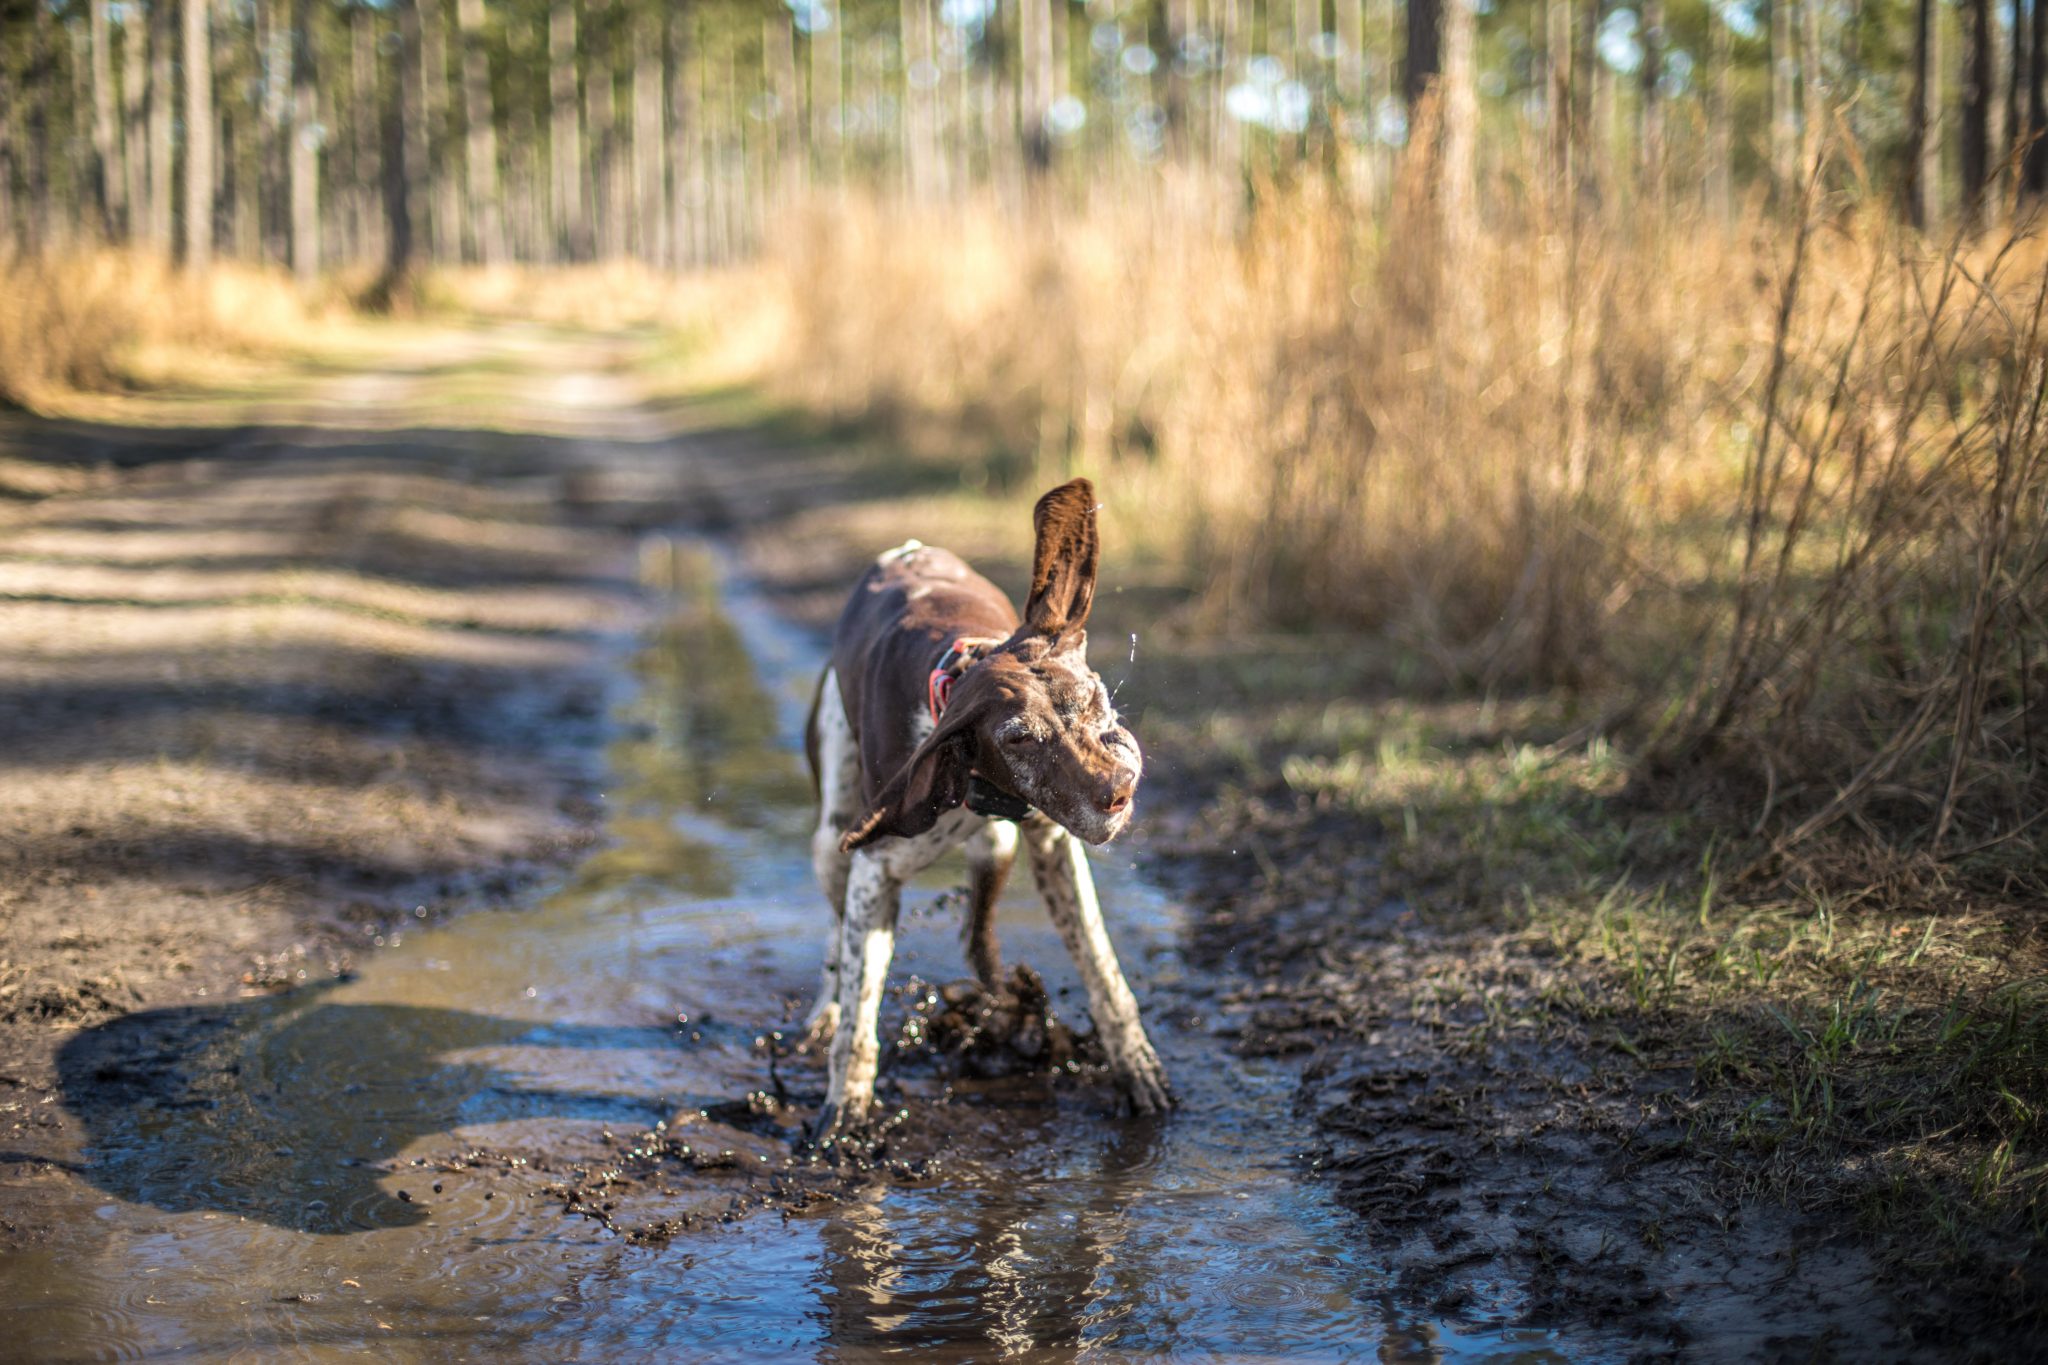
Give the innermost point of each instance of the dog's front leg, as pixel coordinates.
(867, 942)
(1060, 865)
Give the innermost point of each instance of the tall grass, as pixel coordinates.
(1773, 490)
(90, 320)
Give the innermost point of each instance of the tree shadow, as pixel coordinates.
(284, 1109)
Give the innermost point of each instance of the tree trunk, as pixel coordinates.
(682, 129)
(366, 118)
(1425, 49)
(445, 215)
(1557, 97)
(135, 119)
(198, 137)
(2015, 90)
(1036, 18)
(480, 142)
(1650, 133)
(1720, 122)
(1978, 95)
(649, 199)
(1461, 127)
(600, 115)
(1784, 113)
(404, 151)
(304, 160)
(1588, 149)
(110, 182)
(1813, 87)
(2035, 170)
(565, 136)
(163, 93)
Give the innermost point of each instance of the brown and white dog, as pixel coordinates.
(939, 721)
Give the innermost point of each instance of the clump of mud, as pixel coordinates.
(722, 1162)
(1009, 1031)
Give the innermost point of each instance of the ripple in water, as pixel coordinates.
(1263, 1291)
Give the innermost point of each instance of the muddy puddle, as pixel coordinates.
(379, 1163)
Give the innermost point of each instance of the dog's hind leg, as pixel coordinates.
(991, 853)
(1060, 865)
(835, 761)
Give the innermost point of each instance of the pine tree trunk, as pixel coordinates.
(404, 154)
(2015, 90)
(366, 117)
(42, 211)
(1587, 141)
(1720, 123)
(198, 136)
(163, 94)
(480, 142)
(828, 100)
(1425, 49)
(1650, 110)
(682, 130)
(1978, 94)
(1036, 20)
(649, 198)
(1461, 128)
(305, 148)
(110, 181)
(2035, 169)
(135, 119)
(600, 116)
(1784, 113)
(1557, 99)
(1813, 87)
(565, 136)
(445, 217)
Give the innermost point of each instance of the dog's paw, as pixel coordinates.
(820, 1027)
(1142, 1080)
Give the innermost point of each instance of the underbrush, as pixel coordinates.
(90, 321)
(1769, 495)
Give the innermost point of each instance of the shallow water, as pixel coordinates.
(283, 1177)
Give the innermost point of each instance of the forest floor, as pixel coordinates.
(287, 667)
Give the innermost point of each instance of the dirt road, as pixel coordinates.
(456, 632)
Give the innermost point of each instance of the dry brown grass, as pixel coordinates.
(1773, 491)
(94, 320)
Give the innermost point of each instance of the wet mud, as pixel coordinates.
(1496, 1160)
(341, 1119)
(573, 1130)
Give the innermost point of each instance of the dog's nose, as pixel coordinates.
(1118, 797)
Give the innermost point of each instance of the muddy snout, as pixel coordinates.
(1111, 796)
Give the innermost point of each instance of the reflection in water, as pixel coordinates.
(990, 1263)
(239, 1191)
(280, 1109)
(702, 744)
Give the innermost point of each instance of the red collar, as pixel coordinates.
(964, 653)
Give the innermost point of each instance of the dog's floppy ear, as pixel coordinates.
(931, 782)
(1063, 567)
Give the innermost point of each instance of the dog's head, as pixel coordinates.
(1031, 716)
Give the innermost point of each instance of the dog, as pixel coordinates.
(942, 720)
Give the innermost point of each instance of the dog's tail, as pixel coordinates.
(811, 734)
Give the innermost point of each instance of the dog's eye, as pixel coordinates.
(1019, 737)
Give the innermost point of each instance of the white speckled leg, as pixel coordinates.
(869, 941)
(838, 803)
(1060, 865)
(874, 891)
